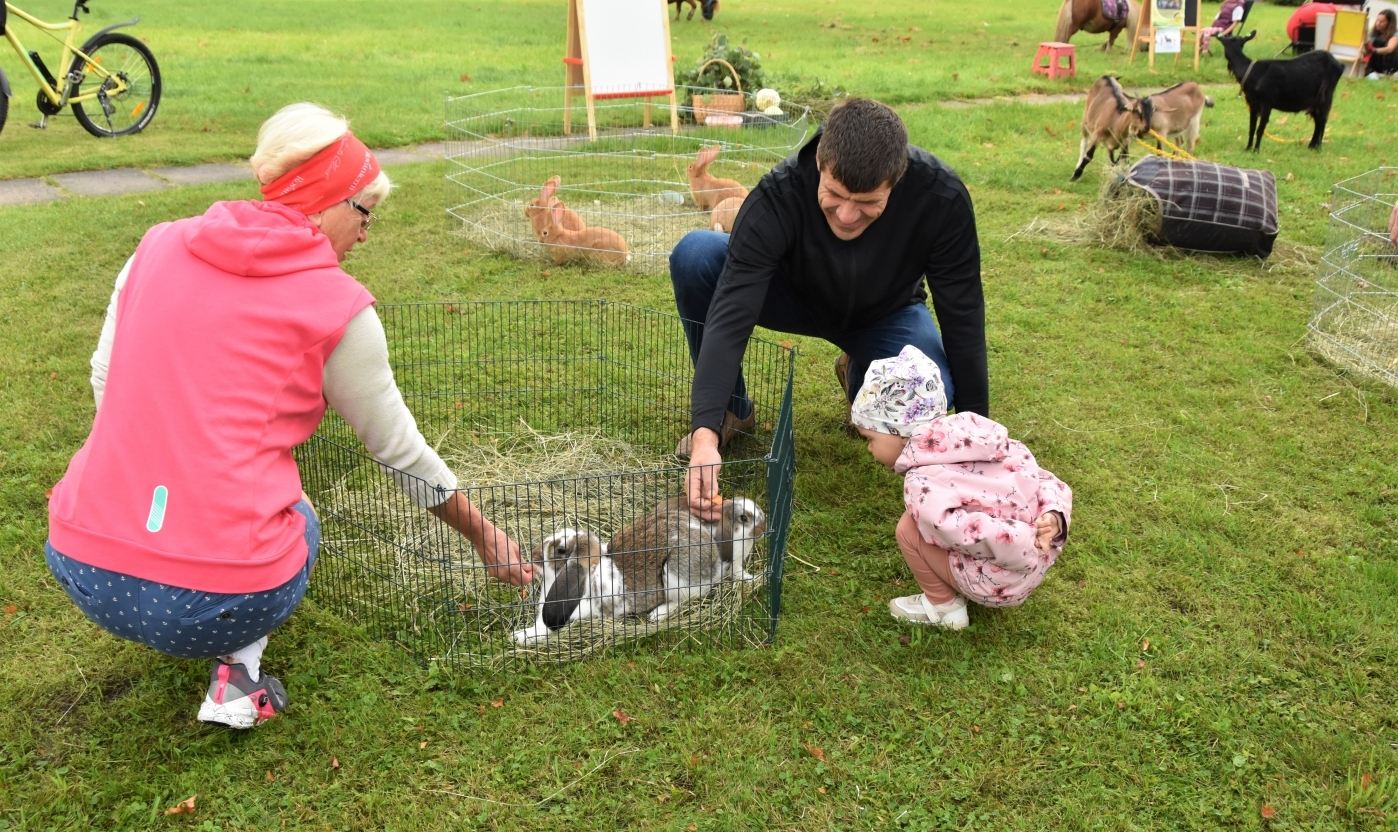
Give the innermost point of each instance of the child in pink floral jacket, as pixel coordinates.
(983, 520)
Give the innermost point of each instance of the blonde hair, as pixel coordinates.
(297, 132)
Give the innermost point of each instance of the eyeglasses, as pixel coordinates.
(368, 217)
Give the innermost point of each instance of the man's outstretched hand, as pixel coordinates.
(701, 483)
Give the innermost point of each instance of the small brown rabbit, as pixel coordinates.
(537, 211)
(709, 190)
(725, 213)
(601, 245)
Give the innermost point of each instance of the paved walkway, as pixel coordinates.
(131, 181)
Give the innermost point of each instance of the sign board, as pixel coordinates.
(618, 49)
(1167, 41)
(1167, 14)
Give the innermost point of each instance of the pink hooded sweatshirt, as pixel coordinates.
(223, 329)
(976, 493)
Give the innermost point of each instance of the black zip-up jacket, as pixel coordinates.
(927, 231)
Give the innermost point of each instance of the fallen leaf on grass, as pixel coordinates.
(1140, 663)
(271, 778)
(1268, 812)
(693, 760)
(1072, 707)
(622, 716)
(1366, 780)
(335, 762)
(786, 345)
(1145, 646)
(1062, 207)
(905, 639)
(498, 703)
(422, 744)
(818, 753)
(975, 729)
(821, 790)
(185, 807)
(53, 376)
(465, 77)
(11, 609)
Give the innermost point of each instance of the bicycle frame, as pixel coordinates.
(60, 97)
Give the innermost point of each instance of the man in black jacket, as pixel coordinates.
(834, 242)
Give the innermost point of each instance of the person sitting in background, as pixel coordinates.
(181, 523)
(1230, 14)
(1382, 48)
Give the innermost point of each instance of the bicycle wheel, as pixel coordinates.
(118, 114)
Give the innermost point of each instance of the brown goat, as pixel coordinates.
(1113, 118)
(1175, 113)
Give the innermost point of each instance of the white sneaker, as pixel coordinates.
(909, 608)
(951, 615)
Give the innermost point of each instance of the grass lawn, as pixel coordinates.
(1215, 649)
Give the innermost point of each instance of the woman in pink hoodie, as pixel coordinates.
(181, 523)
(983, 522)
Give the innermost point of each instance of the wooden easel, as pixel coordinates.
(1146, 29)
(579, 70)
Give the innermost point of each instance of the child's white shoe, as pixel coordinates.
(909, 608)
(951, 615)
(917, 609)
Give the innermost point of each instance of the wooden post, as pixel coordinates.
(572, 67)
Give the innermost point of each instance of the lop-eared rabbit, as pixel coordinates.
(651, 567)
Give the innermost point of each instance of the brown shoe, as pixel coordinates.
(842, 372)
(732, 426)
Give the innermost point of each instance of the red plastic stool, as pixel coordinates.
(1055, 52)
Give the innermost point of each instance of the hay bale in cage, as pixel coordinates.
(1354, 325)
(502, 146)
(552, 414)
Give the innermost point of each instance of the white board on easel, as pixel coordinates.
(618, 49)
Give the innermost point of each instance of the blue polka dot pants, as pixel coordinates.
(184, 623)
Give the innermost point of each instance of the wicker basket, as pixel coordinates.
(719, 103)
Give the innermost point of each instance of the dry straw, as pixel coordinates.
(528, 483)
(1123, 217)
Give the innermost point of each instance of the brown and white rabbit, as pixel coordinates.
(740, 525)
(602, 245)
(725, 213)
(537, 210)
(665, 558)
(580, 581)
(709, 190)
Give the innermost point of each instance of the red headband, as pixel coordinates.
(333, 175)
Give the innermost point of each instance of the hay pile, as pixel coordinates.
(1123, 217)
(529, 484)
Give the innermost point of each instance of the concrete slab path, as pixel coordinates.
(130, 181)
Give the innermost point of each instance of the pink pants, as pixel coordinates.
(931, 564)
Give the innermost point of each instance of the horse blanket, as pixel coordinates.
(1116, 10)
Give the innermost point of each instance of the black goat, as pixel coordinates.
(709, 7)
(1304, 84)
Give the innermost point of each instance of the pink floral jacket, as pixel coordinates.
(976, 492)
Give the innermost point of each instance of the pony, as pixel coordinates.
(1086, 16)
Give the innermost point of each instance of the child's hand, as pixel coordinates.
(1047, 529)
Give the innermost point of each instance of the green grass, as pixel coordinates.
(1235, 506)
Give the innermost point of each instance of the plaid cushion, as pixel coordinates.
(1210, 207)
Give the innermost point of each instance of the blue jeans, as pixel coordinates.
(184, 623)
(695, 266)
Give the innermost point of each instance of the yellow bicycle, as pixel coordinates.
(112, 83)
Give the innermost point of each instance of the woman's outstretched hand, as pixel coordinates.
(701, 482)
(499, 553)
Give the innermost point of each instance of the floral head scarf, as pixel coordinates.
(900, 394)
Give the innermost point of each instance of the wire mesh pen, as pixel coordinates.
(1355, 322)
(554, 415)
(504, 145)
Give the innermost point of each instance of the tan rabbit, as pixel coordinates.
(601, 245)
(725, 213)
(709, 190)
(537, 211)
